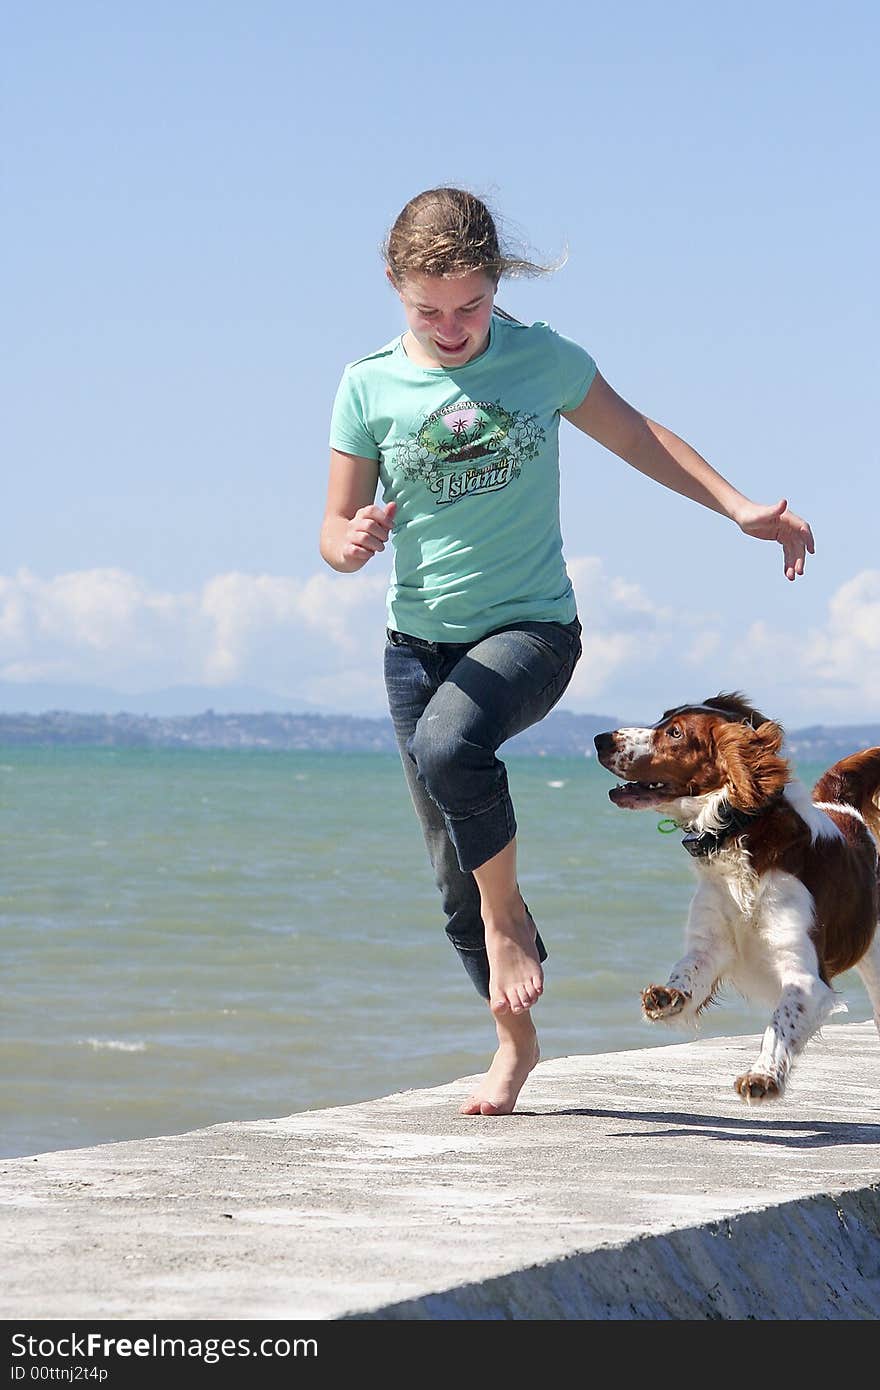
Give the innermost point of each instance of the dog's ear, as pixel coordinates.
(737, 706)
(749, 760)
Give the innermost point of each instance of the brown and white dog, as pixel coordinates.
(789, 885)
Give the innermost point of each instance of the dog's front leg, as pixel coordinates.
(803, 1007)
(694, 979)
(804, 1000)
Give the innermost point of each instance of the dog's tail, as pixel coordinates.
(855, 781)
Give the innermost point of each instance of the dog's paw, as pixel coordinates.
(756, 1085)
(663, 1001)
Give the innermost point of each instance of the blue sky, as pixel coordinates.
(193, 199)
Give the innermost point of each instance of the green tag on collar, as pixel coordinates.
(667, 826)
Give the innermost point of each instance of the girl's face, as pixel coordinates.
(448, 318)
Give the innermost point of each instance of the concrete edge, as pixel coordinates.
(813, 1258)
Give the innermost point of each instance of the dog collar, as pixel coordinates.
(703, 843)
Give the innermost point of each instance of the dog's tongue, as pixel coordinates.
(635, 796)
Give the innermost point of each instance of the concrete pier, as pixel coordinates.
(630, 1185)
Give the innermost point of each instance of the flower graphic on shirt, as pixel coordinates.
(526, 435)
(470, 447)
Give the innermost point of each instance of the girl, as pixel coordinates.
(459, 420)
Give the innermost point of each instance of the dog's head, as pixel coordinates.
(722, 745)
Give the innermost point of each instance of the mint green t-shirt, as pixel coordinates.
(471, 457)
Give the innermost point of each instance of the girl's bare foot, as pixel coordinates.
(516, 980)
(517, 1054)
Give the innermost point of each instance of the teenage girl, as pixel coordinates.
(458, 419)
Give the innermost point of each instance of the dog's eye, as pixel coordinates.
(674, 731)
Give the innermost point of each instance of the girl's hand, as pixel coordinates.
(367, 534)
(779, 524)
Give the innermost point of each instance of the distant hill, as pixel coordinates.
(560, 734)
(34, 698)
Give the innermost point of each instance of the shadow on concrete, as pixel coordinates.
(793, 1134)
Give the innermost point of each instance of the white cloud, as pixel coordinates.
(641, 657)
(832, 673)
(630, 642)
(320, 640)
(850, 641)
(106, 627)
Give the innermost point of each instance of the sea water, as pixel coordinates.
(196, 937)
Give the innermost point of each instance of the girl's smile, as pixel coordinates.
(448, 317)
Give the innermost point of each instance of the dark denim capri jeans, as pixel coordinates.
(453, 704)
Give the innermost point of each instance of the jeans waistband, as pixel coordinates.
(403, 639)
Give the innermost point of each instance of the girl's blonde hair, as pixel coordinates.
(450, 232)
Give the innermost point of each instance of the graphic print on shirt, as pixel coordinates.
(470, 447)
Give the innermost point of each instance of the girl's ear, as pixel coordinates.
(750, 762)
(389, 275)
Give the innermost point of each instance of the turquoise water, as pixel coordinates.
(193, 937)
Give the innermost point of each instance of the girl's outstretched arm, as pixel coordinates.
(661, 455)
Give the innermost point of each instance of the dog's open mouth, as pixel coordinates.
(639, 796)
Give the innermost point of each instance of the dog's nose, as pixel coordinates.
(604, 743)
